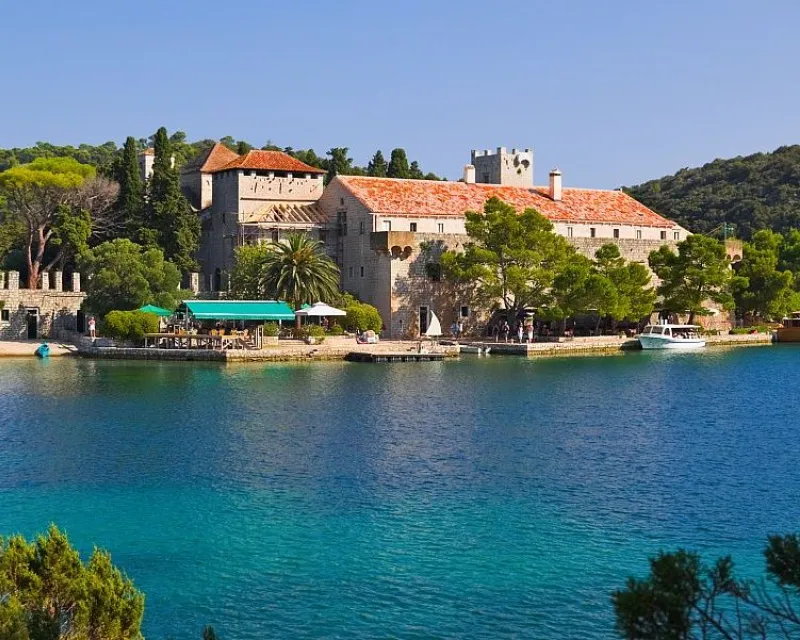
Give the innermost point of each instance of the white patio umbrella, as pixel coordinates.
(319, 310)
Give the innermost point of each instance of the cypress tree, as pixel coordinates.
(377, 166)
(414, 172)
(398, 164)
(130, 203)
(177, 226)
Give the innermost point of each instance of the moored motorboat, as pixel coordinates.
(790, 331)
(671, 336)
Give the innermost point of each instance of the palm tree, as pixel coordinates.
(298, 270)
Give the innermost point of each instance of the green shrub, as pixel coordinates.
(314, 331)
(272, 329)
(335, 330)
(129, 325)
(362, 317)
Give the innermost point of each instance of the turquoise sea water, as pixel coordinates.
(487, 498)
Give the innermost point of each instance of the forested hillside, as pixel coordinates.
(761, 191)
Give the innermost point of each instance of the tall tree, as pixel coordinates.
(761, 290)
(124, 276)
(169, 213)
(246, 277)
(635, 297)
(578, 288)
(49, 593)
(43, 195)
(339, 163)
(698, 273)
(130, 203)
(510, 257)
(377, 167)
(398, 164)
(297, 269)
(414, 172)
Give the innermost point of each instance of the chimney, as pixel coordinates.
(555, 185)
(469, 173)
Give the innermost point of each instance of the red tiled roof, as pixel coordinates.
(432, 198)
(269, 161)
(218, 156)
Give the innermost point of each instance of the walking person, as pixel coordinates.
(92, 328)
(506, 330)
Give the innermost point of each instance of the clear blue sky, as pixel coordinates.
(611, 92)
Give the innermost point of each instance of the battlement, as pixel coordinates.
(477, 153)
(502, 167)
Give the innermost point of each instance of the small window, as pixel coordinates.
(569, 232)
(362, 272)
(592, 232)
(361, 227)
(341, 202)
(5, 315)
(387, 225)
(677, 235)
(616, 233)
(349, 272)
(412, 227)
(663, 235)
(638, 234)
(465, 311)
(441, 227)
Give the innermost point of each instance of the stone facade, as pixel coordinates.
(38, 313)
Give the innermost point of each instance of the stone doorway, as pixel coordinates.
(32, 323)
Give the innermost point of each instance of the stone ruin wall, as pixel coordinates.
(57, 307)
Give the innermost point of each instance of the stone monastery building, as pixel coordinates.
(386, 234)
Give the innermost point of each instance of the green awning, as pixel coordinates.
(150, 308)
(239, 310)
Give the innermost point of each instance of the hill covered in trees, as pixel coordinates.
(760, 191)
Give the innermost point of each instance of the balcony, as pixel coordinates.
(400, 242)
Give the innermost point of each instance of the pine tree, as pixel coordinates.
(130, 203)
(398, 164)
(377, 166)
(170, 215)
(414, 172)
(339, 163)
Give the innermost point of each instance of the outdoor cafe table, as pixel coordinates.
(190, 341)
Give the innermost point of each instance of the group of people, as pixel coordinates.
(523, 330)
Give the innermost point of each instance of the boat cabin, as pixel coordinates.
(677, 331)
(793, 321)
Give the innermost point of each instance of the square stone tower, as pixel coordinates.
(510, 169)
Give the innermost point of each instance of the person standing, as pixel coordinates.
(530, 332)
(519, 332)
(92, 328)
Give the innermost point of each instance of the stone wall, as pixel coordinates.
(54, 308)
(632, 250)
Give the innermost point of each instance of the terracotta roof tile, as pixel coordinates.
(269, 161)
(431, 198)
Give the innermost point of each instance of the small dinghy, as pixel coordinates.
(43, 350)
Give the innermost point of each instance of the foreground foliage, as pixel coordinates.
(682, 599)
(48, 593)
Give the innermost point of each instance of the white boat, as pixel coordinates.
(671, 336)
